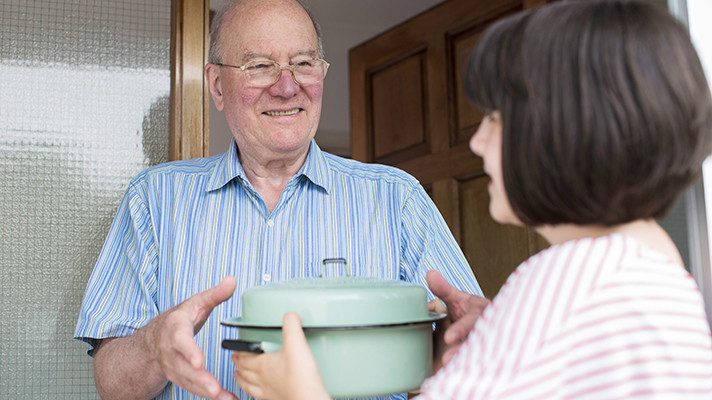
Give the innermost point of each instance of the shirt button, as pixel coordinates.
(270, 223)
(266, 278)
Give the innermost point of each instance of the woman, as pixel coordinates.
(598, 117)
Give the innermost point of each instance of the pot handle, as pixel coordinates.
(334, 261)
(251, 347)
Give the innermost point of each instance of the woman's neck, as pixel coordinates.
(646, 232)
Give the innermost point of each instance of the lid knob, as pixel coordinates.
(334, 261)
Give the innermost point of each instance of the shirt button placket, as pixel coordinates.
(266, 278)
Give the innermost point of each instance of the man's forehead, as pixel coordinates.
(276, 12)
(256, 29)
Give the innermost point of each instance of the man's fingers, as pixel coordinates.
(171, 337)
(437, 284)
(205, 383)
(225, 395)
(186, 346)
(201, 305)
(217, 294)
(197, 381)
(466, 319)
(457, 331)
(174, 337)
(449, 354)
(454, 299)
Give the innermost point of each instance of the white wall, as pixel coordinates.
(699, 13)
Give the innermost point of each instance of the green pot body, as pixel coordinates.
(365, 362)
(369, 337)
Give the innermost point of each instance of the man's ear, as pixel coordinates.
(212, 74)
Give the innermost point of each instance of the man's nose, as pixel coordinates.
(286, 85)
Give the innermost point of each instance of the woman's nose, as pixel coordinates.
(479, 139)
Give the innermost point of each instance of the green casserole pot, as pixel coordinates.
(370, 337)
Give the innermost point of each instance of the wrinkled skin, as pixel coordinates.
(463, 311)
(163, 350)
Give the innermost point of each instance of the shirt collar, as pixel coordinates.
(316, 168)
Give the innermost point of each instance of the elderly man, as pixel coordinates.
(190, 236)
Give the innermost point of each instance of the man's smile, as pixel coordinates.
(283, 113)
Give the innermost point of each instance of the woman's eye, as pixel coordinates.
(490, 115)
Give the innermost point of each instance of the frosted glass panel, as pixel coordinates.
(84, 89)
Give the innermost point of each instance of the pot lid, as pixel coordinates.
(237, 322)
(335, 302)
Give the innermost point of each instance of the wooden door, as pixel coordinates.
(190, 103)
(408, 109)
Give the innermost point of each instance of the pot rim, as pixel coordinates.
(237, 322)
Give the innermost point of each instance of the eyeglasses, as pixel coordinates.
(267, 73)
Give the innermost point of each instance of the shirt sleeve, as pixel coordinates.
(121, 293)
(427, 243)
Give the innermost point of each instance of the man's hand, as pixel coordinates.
(171, 340)
(164, 350)
(288, 374)
(463, 310)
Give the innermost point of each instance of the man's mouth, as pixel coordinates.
(283, 113)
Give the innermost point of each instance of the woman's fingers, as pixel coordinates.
(245, 360)
(290, 373)
(292, 332)
(437, 306)
(243, 380)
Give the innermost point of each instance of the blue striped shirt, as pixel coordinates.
(183, 226)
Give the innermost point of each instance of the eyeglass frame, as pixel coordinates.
(279, 74)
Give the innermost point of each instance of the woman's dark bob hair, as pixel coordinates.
(606, 112)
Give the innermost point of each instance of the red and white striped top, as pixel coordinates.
(601, 318)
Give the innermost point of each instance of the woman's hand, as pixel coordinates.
(463, 310)
(288, 374)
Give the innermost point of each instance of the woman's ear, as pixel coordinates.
(212, 74)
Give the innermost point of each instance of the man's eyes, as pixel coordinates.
(260, 65)
(256, 65)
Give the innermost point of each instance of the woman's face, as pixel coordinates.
(487, 143)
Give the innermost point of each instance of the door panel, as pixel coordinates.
(408, 109)
(398, 99)
(492, 249)
(467, 116)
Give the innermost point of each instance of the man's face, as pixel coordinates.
(279, 120)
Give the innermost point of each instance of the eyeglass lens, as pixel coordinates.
(266, 73)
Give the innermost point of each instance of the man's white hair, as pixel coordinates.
(215, 55)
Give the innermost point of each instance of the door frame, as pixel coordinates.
(189, 103)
